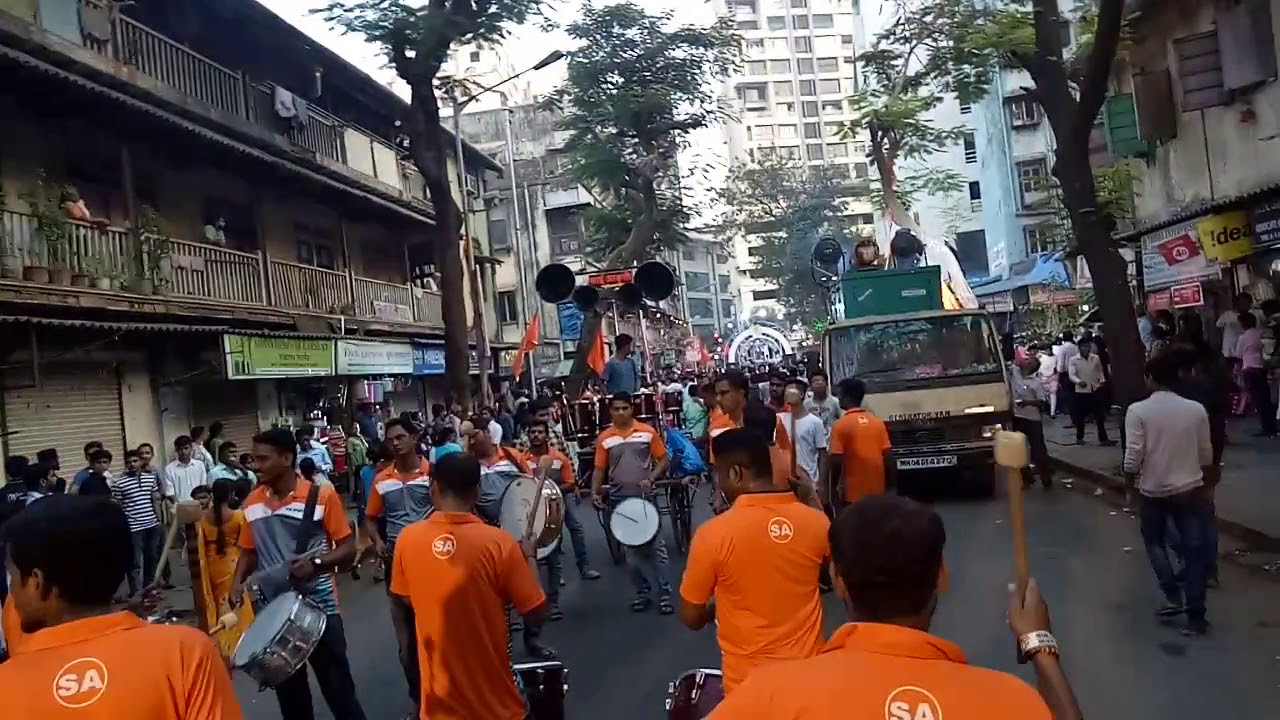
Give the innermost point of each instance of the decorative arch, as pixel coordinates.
(757, 345)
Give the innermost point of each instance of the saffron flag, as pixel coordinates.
(597, 355)
(527, 344)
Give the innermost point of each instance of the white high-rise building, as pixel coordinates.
(790, 97)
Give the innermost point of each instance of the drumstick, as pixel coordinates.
(1011, 455)
(793, 399)
(188, 510)
(226, 622)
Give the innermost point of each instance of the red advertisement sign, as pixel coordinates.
(610, 279)
(1189, 295)
(1179, 249)
(1159, 300)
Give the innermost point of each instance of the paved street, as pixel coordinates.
(1121, 662)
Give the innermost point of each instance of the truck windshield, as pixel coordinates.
(943, 346)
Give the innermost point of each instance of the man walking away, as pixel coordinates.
(1063, 352)
(1169, 450)
(1249, 350)
(1029, 400)
(136, 493)
(1084, 371)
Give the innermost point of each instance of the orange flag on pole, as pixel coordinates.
(597, 355)
(527, 344)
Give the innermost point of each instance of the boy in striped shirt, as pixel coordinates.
(136, 491)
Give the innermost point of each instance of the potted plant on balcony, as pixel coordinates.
(52, 231)
(10, 256)
(93, 273)
(155, 254)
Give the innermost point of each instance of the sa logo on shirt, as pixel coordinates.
(781, 530)
(444, 546)
(80, 682)
(912, 703)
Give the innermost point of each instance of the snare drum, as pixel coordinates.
(673, 409)
(635, 522)
(280, 639)
(604, 417)
(544, 686)
(695, 694)
(548, 518)
(584, 421)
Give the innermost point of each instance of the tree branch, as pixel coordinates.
(1093, 88)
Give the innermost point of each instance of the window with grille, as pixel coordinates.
(800, 22)
(975, 195)
(756, 67)
(1200, 71)
(970, 148)
(805, 66)
(823, 22)
(1033, 182)
(783, 89)
(508, 308)
(1023, 111)
(1040, 239)
(697, 282)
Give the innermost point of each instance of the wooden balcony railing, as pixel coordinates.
(383, 300)
(214, 273)
(93, 250)
(319, 132)
(303, 287)
(428, 308)
(174, 65)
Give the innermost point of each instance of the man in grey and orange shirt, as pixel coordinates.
(401, 494)
(633, 457)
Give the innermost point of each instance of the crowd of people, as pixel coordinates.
(799, 473)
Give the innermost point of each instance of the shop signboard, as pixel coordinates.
(1175, 255)
(428, 359)
(998, 302)
(1265, 218)
(250, 357)
(1189, 295)
(364, 357)
(1159, 300)
(1226, 236)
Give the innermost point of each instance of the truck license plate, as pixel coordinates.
(920, 463)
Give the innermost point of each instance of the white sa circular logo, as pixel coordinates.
(912, 703)
(781, 530)
(444, 546)
(80, 682)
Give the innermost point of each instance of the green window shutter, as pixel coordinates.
(1122, 126)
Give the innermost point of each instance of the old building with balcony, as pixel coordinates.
(173, 175)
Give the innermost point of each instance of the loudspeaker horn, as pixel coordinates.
(629, 296)
(555, 283)
(655, 280)
(585, 297)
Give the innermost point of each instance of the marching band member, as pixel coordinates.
(732, 388)
(859, 441)
(760, 560)
(633, 456)
(81, 659)
(887, 553)
(401, 493)
(457, 575)
(560, 472)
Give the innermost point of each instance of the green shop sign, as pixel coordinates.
(248, 357)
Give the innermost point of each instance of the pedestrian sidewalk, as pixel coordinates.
(1247, 501)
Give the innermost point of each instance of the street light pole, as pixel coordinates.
(468, 252)
(517, 239)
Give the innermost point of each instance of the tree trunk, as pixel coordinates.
(592, 325)
(427, 145)
(894, 209)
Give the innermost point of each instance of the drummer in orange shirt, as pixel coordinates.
(760, 560)
(459, 574)
(887, 556)
(732, 390)
(859, 441)
(561, 473)
(86, 661)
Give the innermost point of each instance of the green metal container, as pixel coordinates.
(891, 292)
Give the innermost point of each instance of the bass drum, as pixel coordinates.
(544, 686)
(695, 694)
(548, 518)
(645, 407)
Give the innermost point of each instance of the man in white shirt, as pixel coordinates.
(1084, 373)
(1229, 323)
(184, 474)
(1168, 450)
(820, 401)
(1063, 353)
(1049, 379)
(810, 434)
(1029, 399)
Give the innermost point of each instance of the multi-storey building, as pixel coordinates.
(709, 274)
(790, 101)
(204, 216)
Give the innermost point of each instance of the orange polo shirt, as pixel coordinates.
(869, 670)
(117, 666)
(460, 574)
(562, 470)
(760, 560)
(14, 638)
(720, 421)
(860, 439)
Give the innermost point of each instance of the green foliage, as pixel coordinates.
(786, 207)
(919, 184)
(636, 87)
(1114, 188)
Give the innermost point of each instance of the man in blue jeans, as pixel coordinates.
(1169, 452)
(633, 457)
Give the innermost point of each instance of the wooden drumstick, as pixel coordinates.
(1012, 455)
(793, 399)
(226, 622)
(184, 513)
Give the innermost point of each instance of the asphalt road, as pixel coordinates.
(1087, 557)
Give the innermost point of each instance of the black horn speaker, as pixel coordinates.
(585, 297)
(629, 296)
(555, 283)
(655, 280)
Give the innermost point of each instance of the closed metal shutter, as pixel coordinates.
(235, 404)
(72, 405)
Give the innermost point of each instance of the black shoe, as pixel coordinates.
(1169, 609)
(641, 603)
(538, 651)
(1195, 627)
(587, 573)
(554, 613)
(665, 607)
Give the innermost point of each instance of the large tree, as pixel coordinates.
(1070, 83)
(785, 207)
(416, 38)
(637, 86)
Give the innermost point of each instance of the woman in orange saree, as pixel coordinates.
(219, 532)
